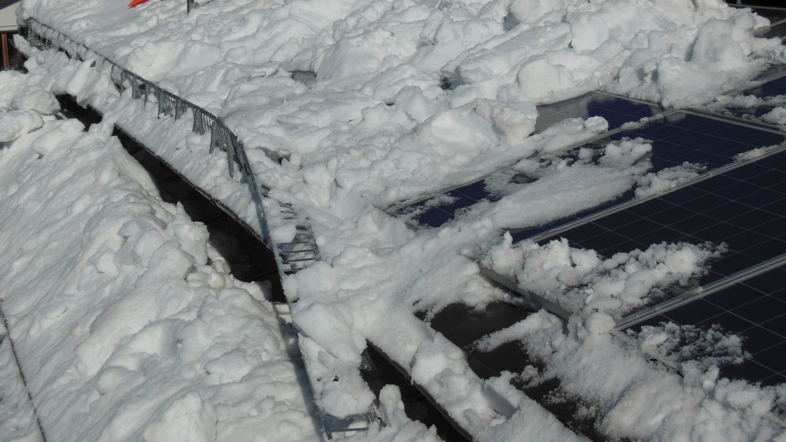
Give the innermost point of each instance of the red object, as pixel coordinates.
(135, 3)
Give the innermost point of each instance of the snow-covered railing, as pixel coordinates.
(292, 256)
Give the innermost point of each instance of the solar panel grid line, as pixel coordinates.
(627, 204)
(699, 292)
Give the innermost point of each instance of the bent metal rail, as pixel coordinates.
(291, 256)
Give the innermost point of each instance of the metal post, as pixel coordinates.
(6, 59)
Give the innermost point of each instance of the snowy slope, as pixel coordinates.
(125, 321)
(377, 127)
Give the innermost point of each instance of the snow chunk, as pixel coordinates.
(17, 123)
(582, 282)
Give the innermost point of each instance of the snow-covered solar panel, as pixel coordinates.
(768, 93)
(461, 197)
(745, 208)
(617, 111)
(680, 137)
(754, 309)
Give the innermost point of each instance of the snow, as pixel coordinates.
(120, 326)
(583, 282)
(370, 128)
(125, 319)
(688, 343)
(638, 400)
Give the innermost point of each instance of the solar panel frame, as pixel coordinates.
(615, 109)
(777, 28)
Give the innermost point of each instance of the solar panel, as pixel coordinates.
(775, 86)
(771, 88)
(745, 208)
(678, 138)
(617, 111)
(755, 309)
(434, 215)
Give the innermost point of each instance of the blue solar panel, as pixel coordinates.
(755, 309)
(743, 208)
(689, 137)
(464, 196)
(679, 138)
(617, 111)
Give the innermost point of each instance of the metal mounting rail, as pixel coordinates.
(292, 256)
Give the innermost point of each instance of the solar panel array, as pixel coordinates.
(744, 208)
(679, 138)
(739, 204)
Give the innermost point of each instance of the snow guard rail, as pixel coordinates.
(291, 256)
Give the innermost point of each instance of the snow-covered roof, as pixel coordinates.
(430, 148)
